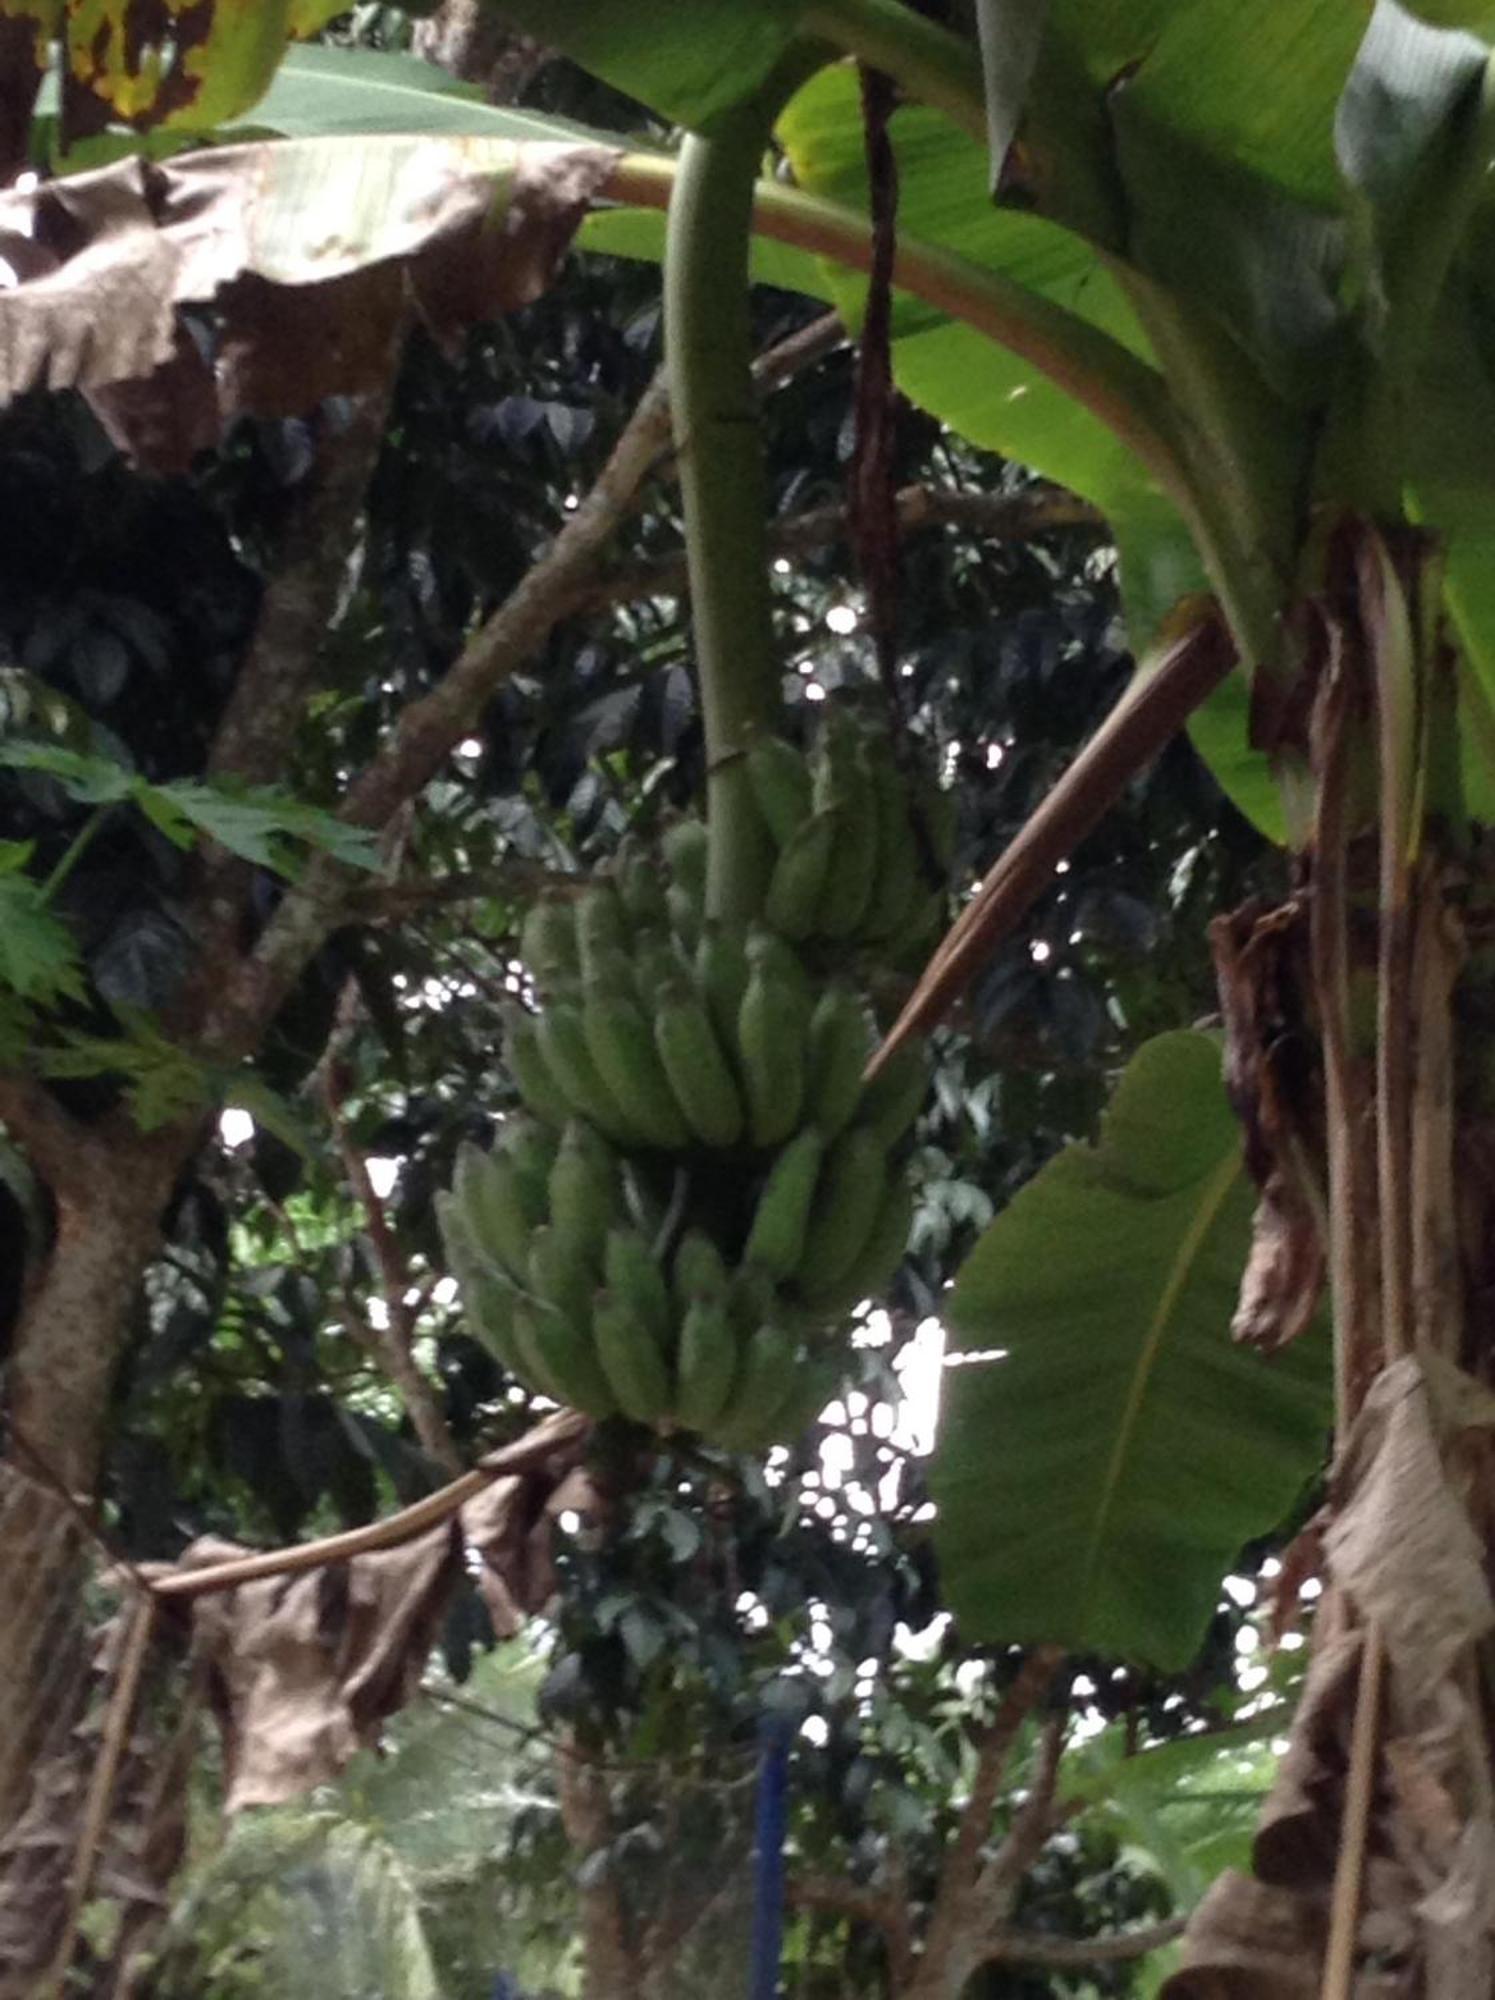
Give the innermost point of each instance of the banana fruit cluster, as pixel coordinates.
(862, 854)
(703, 1187)
(589, 1283)
(668, 1033)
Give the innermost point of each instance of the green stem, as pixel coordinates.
(76, 849)
(1118, 388)
(724, 488)
(933, 66)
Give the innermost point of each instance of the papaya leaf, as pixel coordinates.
(38, 956)
(1095, 1479)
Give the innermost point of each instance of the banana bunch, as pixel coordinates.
(862, 853)
(669, 1045)
(580, 1286)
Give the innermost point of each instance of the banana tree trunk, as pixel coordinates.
(1359, 1021)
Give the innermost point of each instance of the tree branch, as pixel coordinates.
(960, 1872)
(1080, 1954)
(264, 711)
(428, 729)
(989, 516)
(57, 1146)
(1031, 1826)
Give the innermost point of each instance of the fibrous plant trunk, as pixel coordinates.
(1359, 1038)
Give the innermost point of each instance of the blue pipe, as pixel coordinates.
(775, 1734)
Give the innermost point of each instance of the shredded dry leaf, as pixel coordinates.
(179, 294)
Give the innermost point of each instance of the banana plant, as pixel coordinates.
(1222, 270)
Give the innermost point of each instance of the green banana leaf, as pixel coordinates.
(320, 89)
(1094, 1483)
(991, 398)
(689, 63)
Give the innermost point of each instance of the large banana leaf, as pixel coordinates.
(1094, 1483)
(689, 62)
(1000, 402)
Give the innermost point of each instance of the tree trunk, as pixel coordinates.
(609, 1966)
(68, 1343)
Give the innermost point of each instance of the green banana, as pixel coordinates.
(781, 786)
(768, 951)
(490, 1305)
(721, 970)
(636, 1282)
(700, 1272)
(772, 1028)
(840, 1041)
(621, 1046)
(764, 1383)
(853, 1184)
(571, 1357)
(895, 1096)
(547, 941)
(796, 889)
(938, 812)
(601, 924)
(879, 1259)
(531, 1148)
(896, 872)
(558, 1277)
(531, 1320)
(705, 1365)
(563, 1042)
(656, 962)
(686, 915)
(584, 1192)
(851, 864)
(776, 1240)
(642, 890)
(699, 1074)
(752, 1297)
(816, 1379)
(536, 1082)
(686, 846)
(631, 1361)
(497, 1209)
(465, 1261)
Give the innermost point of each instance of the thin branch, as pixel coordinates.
(1149, 715)
(840, 1898)
(391, 1345)
(516, 877)
(428, 729)
(1031, 1825)
(997, 517)
(557, 1433)
(1081, 1954)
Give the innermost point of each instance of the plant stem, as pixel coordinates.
(724, 488)
(76, 849)
(932, 65)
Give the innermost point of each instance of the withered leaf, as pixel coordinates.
(309, 253)
(304, 1668)
(1401, 1544)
